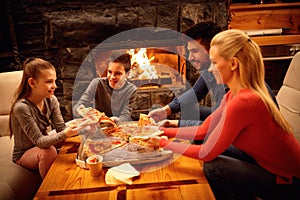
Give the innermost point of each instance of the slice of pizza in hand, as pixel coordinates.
(105, 119)
(146, 120)
(94, 115)
(82, 110)
(79, 122)
(75, 122)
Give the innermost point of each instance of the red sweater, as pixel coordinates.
(244, 122)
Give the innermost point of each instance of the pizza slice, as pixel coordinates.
(80, 122)
(94, 115)
(115, 132)
(99, 147)
(82, 110)
(145, 141)
(145, 120)
(105, 119)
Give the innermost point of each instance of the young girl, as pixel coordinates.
(34, 113)
(249, 149)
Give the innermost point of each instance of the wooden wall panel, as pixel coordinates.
(266, 16)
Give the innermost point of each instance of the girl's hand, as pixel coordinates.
(72, 131)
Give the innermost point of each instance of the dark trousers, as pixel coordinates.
(235, 175)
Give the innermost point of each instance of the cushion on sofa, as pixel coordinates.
(16, 182)
(289, 94)
(6, 191)
(9, 82)
(22, 182)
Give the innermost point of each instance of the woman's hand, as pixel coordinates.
(155, 141)
(169, 132)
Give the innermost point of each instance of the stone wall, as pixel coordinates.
(64, 32)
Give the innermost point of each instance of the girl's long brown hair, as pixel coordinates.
(32, 68)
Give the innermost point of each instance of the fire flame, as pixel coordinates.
(141, 67)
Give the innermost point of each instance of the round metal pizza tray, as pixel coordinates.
(140, 159)
(123, 155)
(165, 154)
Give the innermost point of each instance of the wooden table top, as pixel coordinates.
(177, 178)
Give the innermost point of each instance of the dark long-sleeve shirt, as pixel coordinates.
(187, 103)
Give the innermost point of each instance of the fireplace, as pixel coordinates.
(158, 65)
(157, 55)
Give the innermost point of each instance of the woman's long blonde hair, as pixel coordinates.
(236, 43)
(32, 68)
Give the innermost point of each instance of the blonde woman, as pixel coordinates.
(249, 150)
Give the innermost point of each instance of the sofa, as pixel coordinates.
(289, 94)
(16, 182)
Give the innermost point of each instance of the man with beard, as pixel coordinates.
(193, 114)
(198, 44)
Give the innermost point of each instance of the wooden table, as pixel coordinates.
(177, 178)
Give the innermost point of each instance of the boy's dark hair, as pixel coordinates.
(204, 31)
(121, 57)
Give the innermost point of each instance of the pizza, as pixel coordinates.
(100, 146)
(139, 137)
(94, 115)
(82, 110)
(136, 130)
(145, 141)
(116, 132)
(145, 120)
(80, 122)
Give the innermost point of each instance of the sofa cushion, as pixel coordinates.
(4, 125)
(9, 82)
(24, 183)
(289, 94)
(6, 191)
(289, 105)
(291, 78)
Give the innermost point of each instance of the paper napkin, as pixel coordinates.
(121, 174)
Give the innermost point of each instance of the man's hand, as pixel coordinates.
(115, 119)
(168, 123)
(160, 113)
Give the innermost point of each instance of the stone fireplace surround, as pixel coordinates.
(66, 32)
